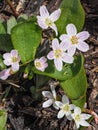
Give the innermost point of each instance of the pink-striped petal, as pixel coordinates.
(64, 45)
(83, 46)
(71, 29)
(14, 53)
(85, 116)
(84, 123)
(5, 74)
(64, 37)
(41, 22)
(55, 44)
(67, 58)
(58, 64)
(43, 11)
(55, 15)
(42, 59)
(7, 56)
(53, 26)
(50, 55)
(83, 35)
(15, 67)
(77, 110)
(59, 104)
(72, 50)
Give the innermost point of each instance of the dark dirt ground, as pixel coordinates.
(24, 112)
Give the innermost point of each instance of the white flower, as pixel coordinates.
(58, 54)
(46, 20)
(51, 98)
(80, 117)
(74, 39)
(65, 108)
(12, 59)
(41, 64)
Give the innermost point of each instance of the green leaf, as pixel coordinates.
(2, 65)
(3, 118)
(71, 12)
(10, 24)
(76, 86)
(5, 41)
(26, 38)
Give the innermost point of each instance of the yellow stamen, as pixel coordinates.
(38, 64)
(58, 53)
(48, 22)
(74, 39)
(14, 59)
(77, 118)
(66, 108)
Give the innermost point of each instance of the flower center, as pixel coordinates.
(66, 108)
(48, 22)
(74, 39)
(14, 59)
(38, 64)
(77, 118)
(58, 53)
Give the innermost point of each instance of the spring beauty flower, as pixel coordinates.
(41, 64)
(65, 108)
(58, 54)
(46, 20)
(51, 98)
(12, 59)
(74, 39)
(80, 118)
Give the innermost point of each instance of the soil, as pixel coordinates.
(24, 111)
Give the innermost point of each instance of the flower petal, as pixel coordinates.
(77, 110)
(69, 117)
(59, 104)
(83, 46)
(64, 37)
(67, 58)
(55, 106)
(55, 44)
(47, 103)
(53, 26)
(71, 29)
(77, 125)
(65, 99)
(71, 50)
(47, 94)
(55, 15)
(85, 116)
(15, 67)
(41, 22)
(72, 106)
(50, 55)
(7, 62)
(64, 45)
(14, 53)
(43, 11)
(83, 35)
(5, 74)
(58, 64)
(53, 91)
(84, 123)
(60, 114)
(42, 59)
(7, 56)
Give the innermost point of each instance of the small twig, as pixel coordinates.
(11, 6)
(95, 69)
(9, 82)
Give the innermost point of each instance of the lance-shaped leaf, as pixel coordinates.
(71, 12)
(26, 38)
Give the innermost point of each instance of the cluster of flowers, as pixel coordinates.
(71, 111)
(63, 51)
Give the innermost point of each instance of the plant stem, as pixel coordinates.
(11, 6)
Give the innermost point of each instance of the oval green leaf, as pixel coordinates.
(26, 38)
